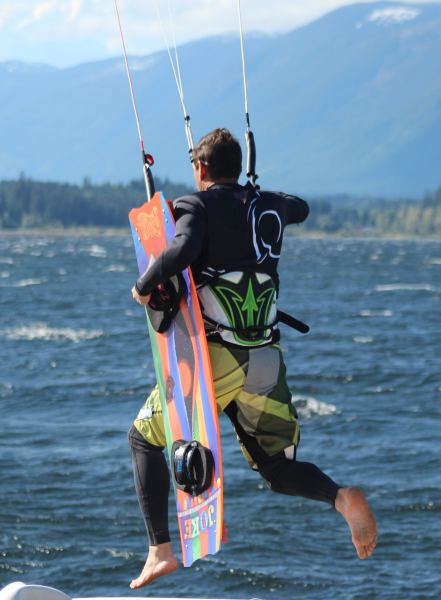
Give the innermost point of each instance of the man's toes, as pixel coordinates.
(371, 548)
(138, 582)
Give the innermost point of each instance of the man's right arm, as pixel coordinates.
(183, 249)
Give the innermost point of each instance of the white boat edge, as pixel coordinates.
(22, 591)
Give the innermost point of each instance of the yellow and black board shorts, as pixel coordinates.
(250, 387)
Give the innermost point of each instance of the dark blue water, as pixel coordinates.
(75, 367)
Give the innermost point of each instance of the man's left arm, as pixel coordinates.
(297, 209)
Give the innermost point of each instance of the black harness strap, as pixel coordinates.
(282, 317)
(287, 319)
(219, 327)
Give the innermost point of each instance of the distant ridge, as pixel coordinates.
(349, 103)
(28, 204)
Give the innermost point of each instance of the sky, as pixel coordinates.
(68, 32)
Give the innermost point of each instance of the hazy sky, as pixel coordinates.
(67, 32)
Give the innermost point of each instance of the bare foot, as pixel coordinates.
(160, 561)
(354, 508)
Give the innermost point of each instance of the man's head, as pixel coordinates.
(217, 158)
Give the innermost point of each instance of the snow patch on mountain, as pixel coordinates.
(391, 16)
(142, 63)
(17, 66)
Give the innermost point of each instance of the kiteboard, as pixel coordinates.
(183, 372)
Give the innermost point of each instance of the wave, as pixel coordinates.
(120, 553)
(434, 261)
(362, 339)
(28, 282)
(308, 407)
(413, 287)
(97, 251)
(376, 313)
(234, 577)
(419, 506)
(40, 331)
(115, 269)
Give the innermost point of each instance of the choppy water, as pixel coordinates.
(74, 369)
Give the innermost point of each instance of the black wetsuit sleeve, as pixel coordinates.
(297, 209)
(183, 250)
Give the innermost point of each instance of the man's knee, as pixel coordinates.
(271, 470)
(277, 469)
(296, 478)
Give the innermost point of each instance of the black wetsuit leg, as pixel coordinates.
(284, 475)
(152, 483)
(297, 478)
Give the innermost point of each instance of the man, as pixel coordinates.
(231, 236)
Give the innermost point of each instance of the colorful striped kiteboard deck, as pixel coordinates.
(183, 372)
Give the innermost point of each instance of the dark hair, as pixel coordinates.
(221, 153)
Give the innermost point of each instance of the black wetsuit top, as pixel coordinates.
(227, 228)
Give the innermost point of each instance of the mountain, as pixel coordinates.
(349, 103)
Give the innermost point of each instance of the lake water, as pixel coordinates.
(75, 366)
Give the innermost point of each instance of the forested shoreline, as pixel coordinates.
(29, 204)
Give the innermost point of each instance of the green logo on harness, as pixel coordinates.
(247, 305)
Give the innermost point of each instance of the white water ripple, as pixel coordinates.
(308, 407)
(40, 331)
(97, 251)
(409, 287)
(376, 313)
(28, 282)
(362, 339)
(115, 269)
